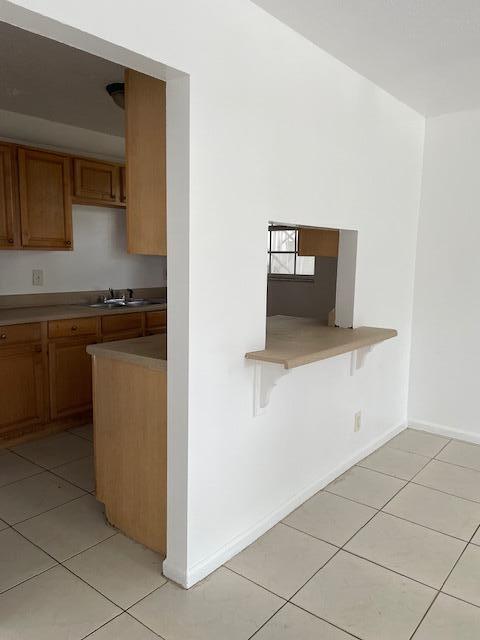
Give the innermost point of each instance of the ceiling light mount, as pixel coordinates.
(116, 90)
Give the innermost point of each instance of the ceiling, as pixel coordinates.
(424, 52)
(46, 79)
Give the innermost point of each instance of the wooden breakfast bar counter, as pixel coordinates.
(130, 435)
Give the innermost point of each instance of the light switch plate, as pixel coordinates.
(37, 277)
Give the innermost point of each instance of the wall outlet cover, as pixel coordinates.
(357, 425)
(37, 277)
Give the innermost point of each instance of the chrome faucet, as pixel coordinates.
(114, 297)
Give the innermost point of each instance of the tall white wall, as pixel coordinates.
(279, 130)
(445, 349)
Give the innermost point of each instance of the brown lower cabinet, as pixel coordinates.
(46, 373)
(70, 376)
(22, 385)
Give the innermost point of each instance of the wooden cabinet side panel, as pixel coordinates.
(145, 138)
(130, 431)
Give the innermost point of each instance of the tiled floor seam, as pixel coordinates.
(224, 566)
(412, 480)
(18, 584)
(121, 614)
(424, 615)
(77, 435)
(267, 621)
(57, 564)
(37, 473)
(20, 455)
(102, 626)
(146, 596)
(333, 624)
(52, 471)
(52, 508)
(454, 464)
(87, 548)
(441, 590)
(447, 493)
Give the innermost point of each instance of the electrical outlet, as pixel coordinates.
(357, 425)
(37, 277)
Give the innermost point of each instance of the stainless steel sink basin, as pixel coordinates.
(120, 305)
(137, 303)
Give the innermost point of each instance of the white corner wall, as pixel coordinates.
(445, 348)
(279, 130)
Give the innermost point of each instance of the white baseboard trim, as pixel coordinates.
(444, 430)
(206, 566)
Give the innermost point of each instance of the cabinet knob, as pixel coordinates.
(10, 241)
(74, 328)
(3, 336)
(38, 348)
(68, 242)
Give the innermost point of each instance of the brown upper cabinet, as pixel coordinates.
(318, 242)
(9, 232)
(145, 138)
(45, 199)
(96, 182)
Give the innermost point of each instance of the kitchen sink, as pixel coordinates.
(120, 305)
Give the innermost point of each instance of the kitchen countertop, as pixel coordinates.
(23, 315)
(293, 342)
(149, 351)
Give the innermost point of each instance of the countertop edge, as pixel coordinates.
(323, 354)
(68, 312)
(101, 351)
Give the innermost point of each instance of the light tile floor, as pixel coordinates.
(388, 551)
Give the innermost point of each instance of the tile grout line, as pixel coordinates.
(60, 564)
(333, 624)
(118, 616)
(36, 473)
(50, 509)
(267, 620)
(454, 464)
(342, 548)
(418, 483)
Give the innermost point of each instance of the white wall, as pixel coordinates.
(99, 259)
(279, 131)
(446, 349)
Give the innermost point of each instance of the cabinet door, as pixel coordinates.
(8, 202)
(70, 369)
(145, 137)
(123, 185)
(21, 387)
(45, 200)
(96, 182)
(318, 242)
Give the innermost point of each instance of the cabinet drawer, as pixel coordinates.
(73, 327)
(156, 319)
(18, 333)
(121, 322)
